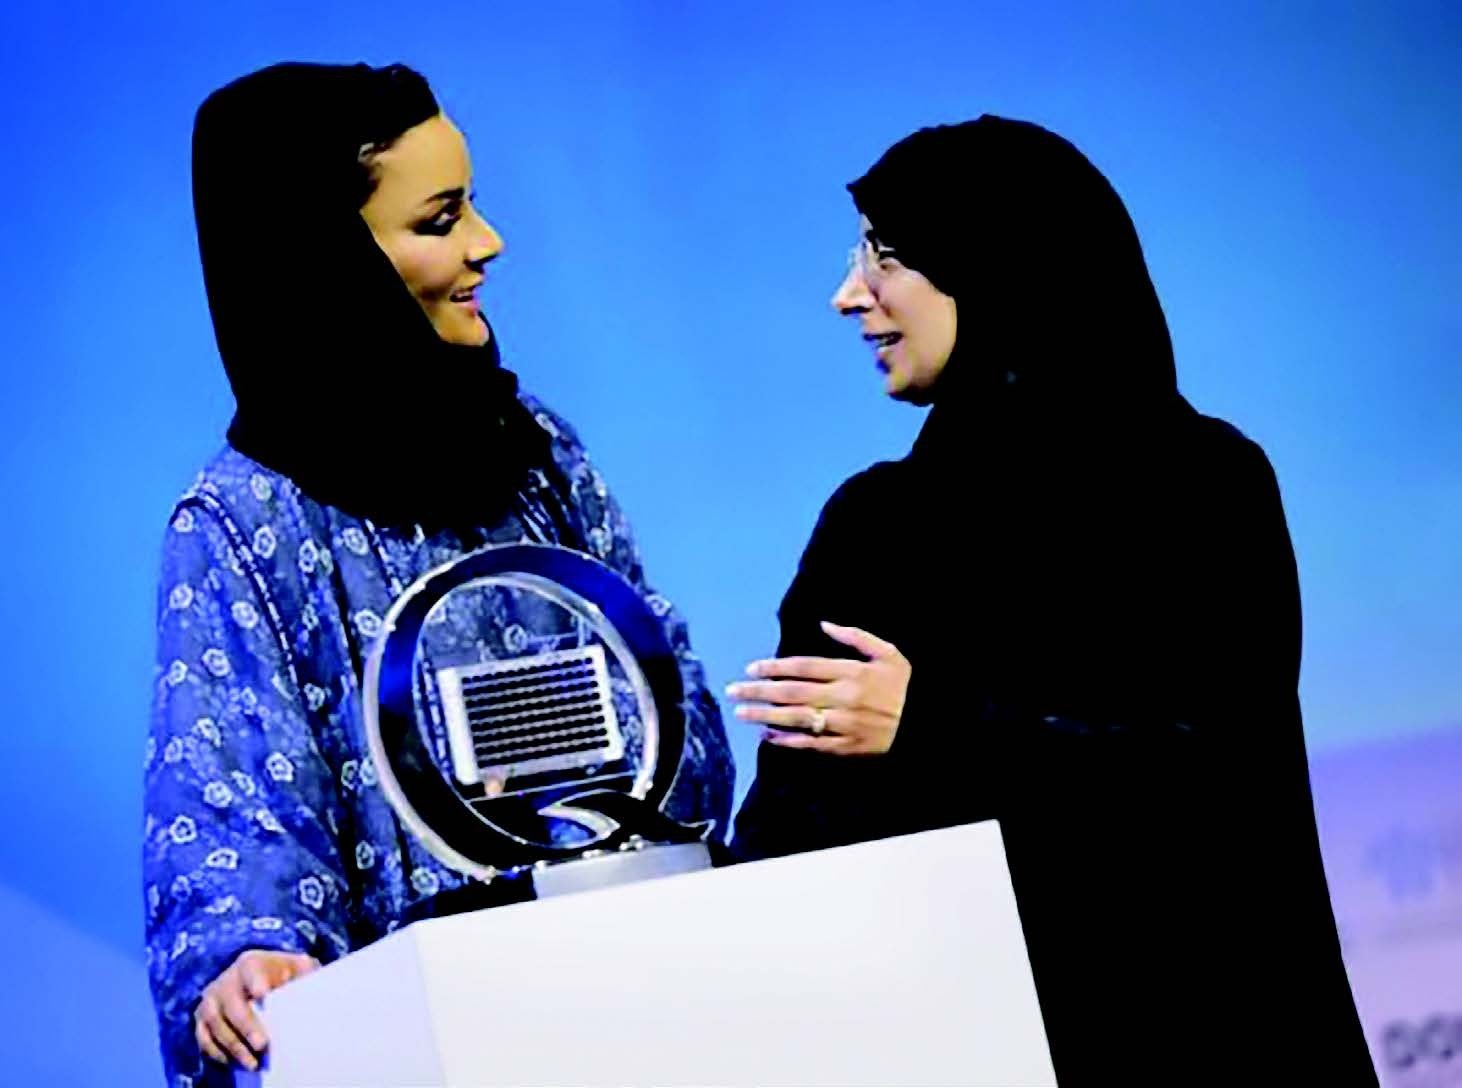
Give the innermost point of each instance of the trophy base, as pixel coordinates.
(621, 867)
(565, 877)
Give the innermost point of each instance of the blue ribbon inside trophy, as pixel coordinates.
(534, 751)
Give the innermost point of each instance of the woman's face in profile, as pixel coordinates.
(422, 217)
(907, 321)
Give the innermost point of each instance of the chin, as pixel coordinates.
(908, 393)
(896, 388)
(472, 335)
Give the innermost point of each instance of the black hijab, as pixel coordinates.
(1043, 482)
(341, 382)
(1059, 325)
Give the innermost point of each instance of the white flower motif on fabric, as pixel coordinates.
(658, 605)
(207, 728)
(365, 855)
(309, 557)
(184, 523)
(180, 888)
(600, 487)
(261, 487)
(367, 772)
(244, 783)
(354, 540)
(268, 821)
(154, 897)
(279, 767)
(425, 881)
(327, 561)
(245, 615)
(177, 673)
(309, 618)
(223, 905)
(265, 542)
(515, 639)
(546, 422)
(267, 924)
(149, 753)
(183, 831)
(306, 929)
(180, 945)
(216, 662)
(149, 825)
(600, 541)
(367, 623)
(180, 597)
(312, 893)
(314, 696)
(349, 774)
(218, 795)
(174, 750)
(223, 858)
(249, 699)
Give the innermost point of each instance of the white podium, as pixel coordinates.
(892, 962)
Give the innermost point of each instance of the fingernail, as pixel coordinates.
(743, 712)
(733, 690)
(827, 626)
(257, 1041)
(755, 668)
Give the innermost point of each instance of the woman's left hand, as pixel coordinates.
(826, 704)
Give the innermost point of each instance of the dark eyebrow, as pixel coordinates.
(877, 243)
(446, 195)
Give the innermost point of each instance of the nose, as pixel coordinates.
(852, 296)
(486, 243)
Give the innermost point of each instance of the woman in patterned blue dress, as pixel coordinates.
(376, 437)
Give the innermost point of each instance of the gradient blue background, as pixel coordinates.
(669, 181)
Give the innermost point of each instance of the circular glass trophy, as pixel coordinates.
(523, 709)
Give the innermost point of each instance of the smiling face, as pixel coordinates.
(909, 322)
(422, 217)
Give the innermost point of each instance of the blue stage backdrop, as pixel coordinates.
(669, 180)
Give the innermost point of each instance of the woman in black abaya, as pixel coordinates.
(1072, 607)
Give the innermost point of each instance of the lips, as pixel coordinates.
(881, 340)
(466, 294)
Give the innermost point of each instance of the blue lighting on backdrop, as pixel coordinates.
(668, 178)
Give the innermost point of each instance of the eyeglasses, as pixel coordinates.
(874, 263)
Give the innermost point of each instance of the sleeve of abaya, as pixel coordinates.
(782, 813)
(239, 845)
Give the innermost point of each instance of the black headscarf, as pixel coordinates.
(1058, 410)
(341, 382)
(1059, 324)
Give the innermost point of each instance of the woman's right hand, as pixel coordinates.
(225, 1022)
